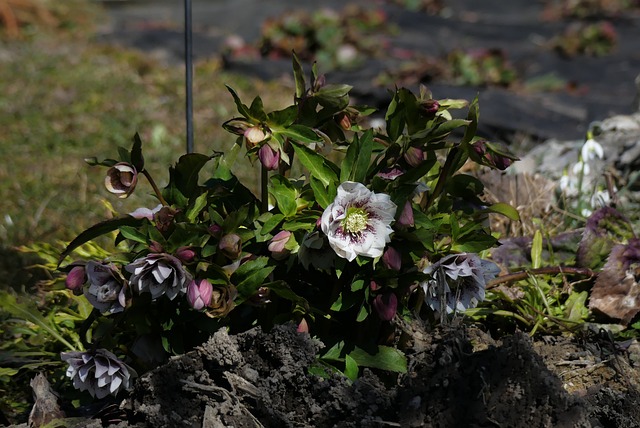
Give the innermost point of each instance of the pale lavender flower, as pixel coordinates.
(99, 372)
(358, 221)
(199, 294)
(147, 213)
(159, 274)
(106, 290)
(459, 281)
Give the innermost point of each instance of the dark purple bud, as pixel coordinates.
(231, 246)
(406, 216)
(185, 254)
(215, 231)
(164, 219)
(156, 247)
(386, 306)
(76, 278)
(269, 158)
(392, 259)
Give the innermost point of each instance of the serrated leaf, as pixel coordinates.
(133, 234)
(184, 175)
(271, 223)
(242, 109)
(317, 165)
(257, 110)
(285, 195)
(299, 133)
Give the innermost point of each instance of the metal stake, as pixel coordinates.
(188, 61)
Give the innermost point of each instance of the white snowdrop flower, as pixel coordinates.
(591, 150)
(358, 221)
(568, 185)
(581, 167)
(586, 212)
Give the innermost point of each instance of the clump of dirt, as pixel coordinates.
(458, 376)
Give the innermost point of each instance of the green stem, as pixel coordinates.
(264, 188)
(156, 190)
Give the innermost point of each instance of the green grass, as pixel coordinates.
(63, 102)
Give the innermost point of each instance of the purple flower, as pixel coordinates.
(358, 221)
(99, 372)
(386, 306)
(106, 291)
(199, 293)
(392, 259)
(406, 216)
(121, 179)
(458, 280)
(158, 274)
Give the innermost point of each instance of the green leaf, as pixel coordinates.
(350, 368)
(137, 160)
(282, 118)
(363, 157)
(505, 209)
(99, 229)
(299, 133)
(284, 194)
(184, 176)
(575, 306)
(257, 110)
(473, 116)
(198, 205)
(242, 109)
(133, 234)
(385, 358)
(318, 166)
(27, 310)
(271, 223)
(323, 195)
(536, 250)
(298, 75)
(250, 276)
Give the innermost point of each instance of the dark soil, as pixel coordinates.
(458, 377)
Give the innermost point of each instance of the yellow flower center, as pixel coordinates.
(356, 220)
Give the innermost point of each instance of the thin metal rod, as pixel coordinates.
(188, 61)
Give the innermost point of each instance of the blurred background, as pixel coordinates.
(80, 77)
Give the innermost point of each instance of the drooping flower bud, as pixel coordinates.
(231, 246)
(121, 179)
(429, 108)
(76, 278)
(414, 156)
(215, 230)
(374, 286)
(269, 158)
(406, 216)
(392, 259)
(386, 305)
(185, 254)
(253, 136)
(278, 243)
(344, 120)
(199, 293)
(491, 155)
(156, 247)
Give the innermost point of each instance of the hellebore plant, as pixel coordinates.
(378, 222)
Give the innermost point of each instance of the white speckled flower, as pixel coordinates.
(99, 372)
(358, 221)
(458, 281)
